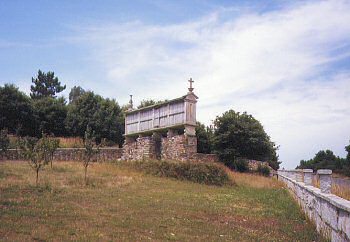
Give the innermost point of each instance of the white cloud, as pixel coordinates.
(269, 65)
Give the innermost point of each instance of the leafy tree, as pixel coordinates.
(90, 149)
(49, 145)
(204, 136)
(45, 85)
(36, 153)
(347, 148)
(17, 115)
(4, 141)
(50, 115)
(75, 93)
(104, 116)
(241, 135)
(324, 159)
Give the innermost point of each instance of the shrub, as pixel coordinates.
(263, 170)
(238, 164)
(199, 172)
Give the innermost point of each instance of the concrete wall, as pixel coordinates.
(330, 213)
(71, 154)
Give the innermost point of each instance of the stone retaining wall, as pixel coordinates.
(330, 213)
(71, 154)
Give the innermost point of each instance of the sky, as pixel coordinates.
(285, 62)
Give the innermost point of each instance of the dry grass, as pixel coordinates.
(253, 180)
(120, 204)
(71, 142)
(342, 191)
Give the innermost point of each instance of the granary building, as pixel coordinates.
(162, 131)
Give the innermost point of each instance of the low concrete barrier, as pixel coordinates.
(330, 213)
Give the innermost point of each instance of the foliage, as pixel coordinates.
(52, 146)
(347, 149)
(104, 116)
(35, 152)
(50, 115)
(75, 93)
(241, 135)
(4, 141)
(90, 150)
(204, 137)
(45, 85)
(325, 159)
(199, 172)
(263, 170)
(238, 164)
(149, 102)
(16, 111)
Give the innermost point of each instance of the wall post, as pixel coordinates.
(325, 180)
(308, 176)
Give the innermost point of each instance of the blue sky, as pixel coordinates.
(285, 62)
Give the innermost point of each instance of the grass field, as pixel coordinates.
(122, 204)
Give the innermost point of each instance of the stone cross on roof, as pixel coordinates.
(190, 88)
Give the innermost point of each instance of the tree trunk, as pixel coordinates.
(85, 175)
(37, 176)
(51, 163)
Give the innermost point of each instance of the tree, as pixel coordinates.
(50, 116)
(4, 141)
(36, 153)
(324, 159)
(49, 144)
(45, 85)
(347, 148)
(104, 116)
(16, 113)
(90, 150)
(75, 93)
(204, 136)
(241, 135)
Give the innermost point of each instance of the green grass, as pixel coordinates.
(122, 204)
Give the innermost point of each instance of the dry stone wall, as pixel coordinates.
(70, 154)
(139, 149)
(330, 213)
(179, 147)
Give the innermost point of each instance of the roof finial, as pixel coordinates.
(131, 103)
(190, 89)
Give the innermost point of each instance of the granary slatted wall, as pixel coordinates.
(167, 115)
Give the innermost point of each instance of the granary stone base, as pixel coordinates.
(179, 147)
(174, 147)
(139, 149)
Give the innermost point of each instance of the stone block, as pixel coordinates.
(344, 223)
(329, 214)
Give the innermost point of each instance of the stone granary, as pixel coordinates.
(162, 131)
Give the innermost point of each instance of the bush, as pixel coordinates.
(238, 164)
(199, 172)
(263, 170)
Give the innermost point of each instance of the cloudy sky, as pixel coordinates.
(285, 62)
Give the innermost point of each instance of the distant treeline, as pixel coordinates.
(44, 112)
(325, 159)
